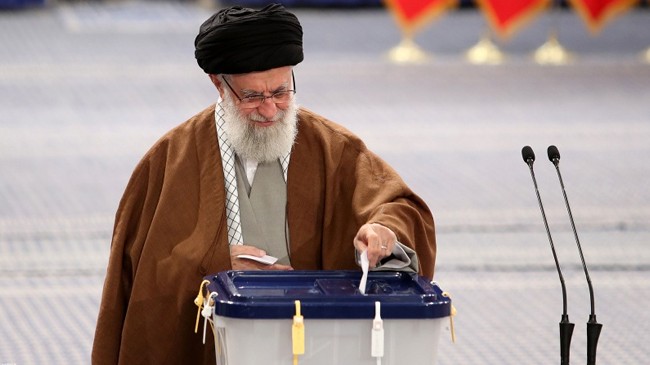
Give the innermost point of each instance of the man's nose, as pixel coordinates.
(268, 109)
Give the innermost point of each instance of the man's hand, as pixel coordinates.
(377, 239)
(246, 264)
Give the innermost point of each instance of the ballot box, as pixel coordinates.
(321, 317)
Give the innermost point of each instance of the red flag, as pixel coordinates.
(413, 14)
(598, 12)
(506, 16)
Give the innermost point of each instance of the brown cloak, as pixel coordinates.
(170, 231)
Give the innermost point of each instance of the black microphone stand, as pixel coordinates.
(566, 327)
(593, 327)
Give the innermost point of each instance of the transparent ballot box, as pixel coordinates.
(321, 317)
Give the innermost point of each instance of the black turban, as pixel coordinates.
(239, 40)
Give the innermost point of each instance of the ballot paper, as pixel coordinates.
(364, 267)
(266, 259)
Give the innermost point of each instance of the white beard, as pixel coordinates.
(261, 144)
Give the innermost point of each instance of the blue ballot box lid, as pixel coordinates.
(325, 295)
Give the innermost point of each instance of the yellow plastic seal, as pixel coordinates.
(451, 318)
(199, 303)
(298, 334)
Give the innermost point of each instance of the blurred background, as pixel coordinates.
(447, 92)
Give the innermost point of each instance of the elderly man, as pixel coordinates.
(254, 174)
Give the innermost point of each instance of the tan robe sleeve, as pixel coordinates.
(386, 199)
(336, 185)
(169, 233)
(131, 224)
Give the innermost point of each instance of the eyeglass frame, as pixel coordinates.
(263, 97)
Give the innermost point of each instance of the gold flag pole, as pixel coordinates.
(646, 55)
(552, 52)
(408, 52)
(485, 52)
(411, 16)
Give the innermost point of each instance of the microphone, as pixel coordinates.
(566, 327)
(593, 327)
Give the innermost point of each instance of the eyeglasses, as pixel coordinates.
(254, 101)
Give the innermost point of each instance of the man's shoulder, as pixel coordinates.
(317, 126)
(194, 130)
(201, 121)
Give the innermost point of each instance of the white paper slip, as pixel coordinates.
(364, 267)
(266, 259)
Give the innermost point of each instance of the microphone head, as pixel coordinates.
(528, 154)
(553, 154)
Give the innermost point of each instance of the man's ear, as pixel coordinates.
(216, 81)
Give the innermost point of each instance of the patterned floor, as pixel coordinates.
(86, 88)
